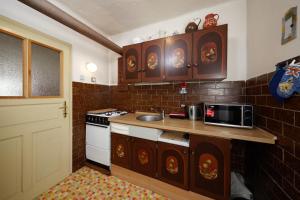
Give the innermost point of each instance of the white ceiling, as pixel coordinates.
(117, 16)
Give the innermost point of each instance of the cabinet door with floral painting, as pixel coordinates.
(178, 57)
(173, 164)
(132, 63)
(120, 150)
(153, 60)
(210, 53)
(210, 166)
(144, 156)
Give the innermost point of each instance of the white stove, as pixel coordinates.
(98, 145)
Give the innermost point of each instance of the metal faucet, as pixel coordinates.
(159, 110)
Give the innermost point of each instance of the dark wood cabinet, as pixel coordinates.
(210, 53)
(201, 55)
(132, 60)
(144, 159)
(153, 61)
(173, 164)
(210, 166)
(120, 71)
(178, 57)
(120, 150)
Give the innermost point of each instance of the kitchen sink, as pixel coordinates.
(149, 118)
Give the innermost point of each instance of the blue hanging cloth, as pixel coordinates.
(290, 81)
(273, 85)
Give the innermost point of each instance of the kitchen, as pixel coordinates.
(267, 156)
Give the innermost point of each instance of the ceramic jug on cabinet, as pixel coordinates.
(211, 20)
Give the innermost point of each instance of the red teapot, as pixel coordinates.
(211, 20)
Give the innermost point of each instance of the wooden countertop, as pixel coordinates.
(199, 128)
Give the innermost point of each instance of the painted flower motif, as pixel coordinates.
(143, 156)
(293, 71)
(178, 58)
(172, 165)
(120, 151)
(152, 60)
(209, 53)
(208, 166)
(131, 63)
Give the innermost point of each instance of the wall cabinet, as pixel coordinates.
(173, 164)
(201, 55)
(210, 166)
(153, 61)
(210, 53)
(144, 159)
(132, 60)
(178, 57)
(120, 150)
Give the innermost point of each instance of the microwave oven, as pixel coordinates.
(232, 115)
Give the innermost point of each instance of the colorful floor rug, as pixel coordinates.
(88, 184)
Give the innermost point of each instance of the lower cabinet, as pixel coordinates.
(144, 159)
(204, 167)
(210, 166)
(173, 163)
(120, 150)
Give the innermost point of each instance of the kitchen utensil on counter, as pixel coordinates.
(178, 115)
(211, 20)
(194, 112)
(192, 26)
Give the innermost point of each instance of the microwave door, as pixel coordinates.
(230, 115)
(224, 114)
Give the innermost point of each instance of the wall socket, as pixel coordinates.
(81, 78)
(93, 79)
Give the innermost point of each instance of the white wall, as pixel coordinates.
(233, 13)
(264, 35)
(83, 49)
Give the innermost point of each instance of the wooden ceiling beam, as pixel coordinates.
(59, 15)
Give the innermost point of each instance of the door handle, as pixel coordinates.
(64, 108)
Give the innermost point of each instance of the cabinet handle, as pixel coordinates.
(188, 66)
(196, 64)
(193, 152)
(141, 70)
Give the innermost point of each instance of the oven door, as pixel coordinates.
(228, 115)
(98, 143)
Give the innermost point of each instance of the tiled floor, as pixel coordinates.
(87, 183)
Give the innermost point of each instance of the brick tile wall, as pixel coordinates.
(142, 98)
(279, 164)
(85, 97)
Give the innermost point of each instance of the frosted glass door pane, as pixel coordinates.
(11, 65)
(45, 71)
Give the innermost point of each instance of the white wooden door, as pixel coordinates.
(35, 136)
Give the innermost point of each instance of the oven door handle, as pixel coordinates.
(92, 124)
